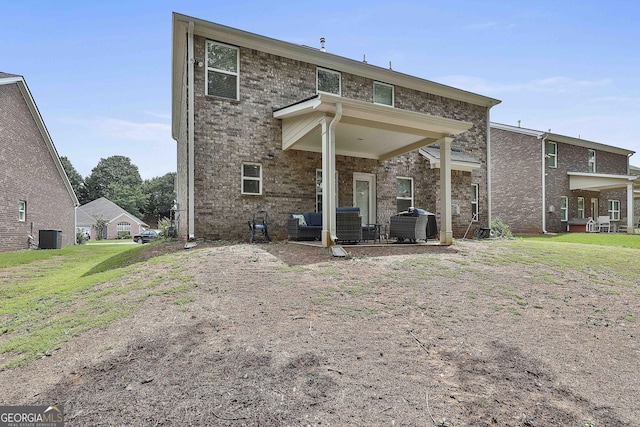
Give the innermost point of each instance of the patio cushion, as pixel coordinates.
(313, 218)
(300, 217)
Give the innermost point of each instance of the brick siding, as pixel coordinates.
(228, 133)
(28, 173)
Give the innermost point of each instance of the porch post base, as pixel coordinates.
(326, 239)
(446, 238)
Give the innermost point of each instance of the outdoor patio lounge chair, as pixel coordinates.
(411, 228)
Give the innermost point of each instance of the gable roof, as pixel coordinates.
(7, 79)
(102, 208)
(459, 159)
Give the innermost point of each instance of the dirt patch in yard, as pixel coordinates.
(284, 334)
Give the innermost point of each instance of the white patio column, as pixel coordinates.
(329, 178)
(630, 224)
(446, 225)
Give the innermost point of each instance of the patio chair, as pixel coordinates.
(259, 223)
(604, 223)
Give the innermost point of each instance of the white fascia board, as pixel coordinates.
(310, 55)
(523, 131)
(604, 175)
(434, 163)
(587, 144)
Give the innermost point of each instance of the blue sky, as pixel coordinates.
(100, 71)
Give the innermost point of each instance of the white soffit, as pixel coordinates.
(598, 182)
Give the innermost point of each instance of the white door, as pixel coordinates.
(364, 196)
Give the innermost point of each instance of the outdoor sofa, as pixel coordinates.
(349, 228)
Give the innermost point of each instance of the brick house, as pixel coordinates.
(542, 181)
(118, 220)
(259, 122)
(35, 193)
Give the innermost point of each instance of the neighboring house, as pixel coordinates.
(260, 122)
(35, 193)
(541, 180)
(118, 220)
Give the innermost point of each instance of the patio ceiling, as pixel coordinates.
(365, 129)
(598, 182)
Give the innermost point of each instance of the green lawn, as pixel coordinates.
(50, 295)
(604, 239)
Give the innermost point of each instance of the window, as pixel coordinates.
(614, 210)
(592, 161)
(124, 226)
(222, 70)
(564, 208)
(404, 194)
(319, 190)
(475, 212)
(22, 210)
(329, 81)
(382, 94)
(580, 207)
(251, 178)
(552, 155)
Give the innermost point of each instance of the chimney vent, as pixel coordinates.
(322, 49)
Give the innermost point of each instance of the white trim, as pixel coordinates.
(412, 198)
(553, 156)
(475, 203)
(371, 179)
(592, 161)
(393, 93)
(610, 210)
(564, 210)
(22, 213)
(251, 178)
(581, 214)
(221, 71)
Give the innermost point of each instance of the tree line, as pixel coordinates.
(118, 180)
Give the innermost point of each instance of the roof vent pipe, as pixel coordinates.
(322, 49)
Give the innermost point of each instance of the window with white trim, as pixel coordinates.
(383, 93)
(124, 226)
(22, 210)
(223, 70)
(319, 190)
(592, 161)
(614, 209)
(475, 212)
(580, 207)
(552, 155)
(252, 178)
(404, 193)
(564, 208)
(328, 81)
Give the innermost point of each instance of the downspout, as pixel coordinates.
(329, 181)
(544, 183)
(488, 166)
(190, 131)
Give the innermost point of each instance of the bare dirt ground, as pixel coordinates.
(286, 335)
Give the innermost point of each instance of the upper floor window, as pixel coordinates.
(329, 81)
(223, 65)
(564, 208)
(592, 161)
(252, 178)
(614, 209)
(22, 210)
(475, 212)
(404, 194)
(552, 155)
(382, 93)
(580, 207)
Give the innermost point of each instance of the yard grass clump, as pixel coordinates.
(51, 295)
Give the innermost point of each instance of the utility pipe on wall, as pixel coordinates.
(190, 130)
(544, 183)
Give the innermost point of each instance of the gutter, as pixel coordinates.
(329, 163)
(190, 131)
(488, 167)
(544, 184)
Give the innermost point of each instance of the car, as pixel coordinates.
(146, 236)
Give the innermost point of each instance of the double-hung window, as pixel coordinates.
(252, 178)
(614, 209)
(580, 207)
(223, 66)
(22, 210)
(552, 155)
(124, 226)
(404, 193)
(382, 94)
(592, 161)
(329, 81)
(475, 212)
(564, 208)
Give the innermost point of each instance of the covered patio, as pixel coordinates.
(333, 125)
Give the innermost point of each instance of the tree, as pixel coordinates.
(131, 199)
(160, 192)
(113, 174)
(76, 180)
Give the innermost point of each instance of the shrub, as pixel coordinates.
(500, 230)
